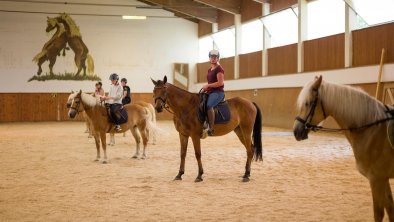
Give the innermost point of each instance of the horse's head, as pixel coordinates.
(51, 24)
(74, 104)
(160, 94)
(310, 109)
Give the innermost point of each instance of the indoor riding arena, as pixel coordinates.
(308, 87)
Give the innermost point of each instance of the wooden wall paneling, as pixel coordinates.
(368, 44)
(324, 53)
(250, 65)
(28, 107)
(202, 69)
(228, 66)
(9, 110)
(277, 5)
(282, 60)
(204, 28)
(225, 20)
(250, 10)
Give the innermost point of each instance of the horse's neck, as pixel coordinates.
(350, 107)
(180, 100)
(70, 31)
(56, 35)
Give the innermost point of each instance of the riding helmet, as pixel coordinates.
(124, 80)
(114, 76)
(214, 52)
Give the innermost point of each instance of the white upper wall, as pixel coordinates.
(135, 49)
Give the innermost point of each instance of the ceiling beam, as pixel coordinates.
(230, 6)
(189, 8)
(263, 1)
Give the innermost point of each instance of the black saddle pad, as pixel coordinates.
(119, 114)
(390, 132)
(222, 113)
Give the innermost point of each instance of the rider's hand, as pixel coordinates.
(205, 87)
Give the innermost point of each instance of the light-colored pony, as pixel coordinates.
(138, 119)
(363, 120)
(152, 135)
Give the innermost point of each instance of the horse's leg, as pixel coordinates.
(77, 60)
(378, 187)
(184, 140)
(104, 145)
(111, 139)
(197, 151)
(83, 65)
(51, 64)
(145, 138)
(247, 142)
(40, 62)
(97, 140)
(137, 139)
(389, 201)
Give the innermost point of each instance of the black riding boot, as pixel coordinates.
(211, 121)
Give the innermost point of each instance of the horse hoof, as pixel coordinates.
(105, 162)
(143, 157)
(198, 179)
(96, 160)
(178, 178)
(134, 157)
(245, 179)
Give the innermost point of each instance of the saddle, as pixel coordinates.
(119, 114)
(222, 110)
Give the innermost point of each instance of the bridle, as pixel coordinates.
(77, 106)
(307, 121)
(163, 100)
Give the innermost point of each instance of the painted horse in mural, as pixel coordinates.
(138, 119)
(53, 47)
(74, 40)
(364, 121)
(246, 122)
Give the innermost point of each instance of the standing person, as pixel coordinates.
(99, 91)
(126, 99)
(114, 98)
(214, 88)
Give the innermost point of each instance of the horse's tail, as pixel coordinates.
(39, 56)
(257, 143)
(153, 112)
(90, 63)
(151, 124)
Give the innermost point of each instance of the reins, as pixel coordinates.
(163, 101)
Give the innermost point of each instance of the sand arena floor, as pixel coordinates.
(48, 174)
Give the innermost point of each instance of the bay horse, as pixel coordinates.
(364, 121)
(74, 40)
(52, 48)
(138, 119)
(246, 122)
(152, 135)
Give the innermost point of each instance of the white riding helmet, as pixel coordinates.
(214, 52)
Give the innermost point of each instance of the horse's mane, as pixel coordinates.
(90, 100)
(74, 29)
(348, 102)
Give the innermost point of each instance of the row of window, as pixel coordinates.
(324, 18)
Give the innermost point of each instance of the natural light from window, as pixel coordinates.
(282, 27)
(205, 44)
(252, 37)
(325, 17)
(374, 12)
(225, 42)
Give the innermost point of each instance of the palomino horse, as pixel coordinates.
(138, 118)
(74, 40)
(53, 47)
(245, 120)
(152, 135)
(364, 121)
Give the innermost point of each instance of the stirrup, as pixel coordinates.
(210, 132)
(117, 128)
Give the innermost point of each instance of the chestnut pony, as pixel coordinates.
(246, 122)
(364, 121)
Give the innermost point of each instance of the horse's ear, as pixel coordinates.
(72, 91)
(317, 82)
(154, 82)
(165, 79)
(80, 91)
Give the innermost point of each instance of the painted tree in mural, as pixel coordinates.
(67, 32)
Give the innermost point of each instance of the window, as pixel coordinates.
(225, 42)
(325, 17)
(373, 12)
(252, 37)
(282, 27)
(205, 44)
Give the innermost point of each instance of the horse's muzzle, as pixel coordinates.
(300, 132)
(72, 113)
(159, 109)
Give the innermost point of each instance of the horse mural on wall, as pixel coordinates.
(67, 32)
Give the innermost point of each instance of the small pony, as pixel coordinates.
(364, 121)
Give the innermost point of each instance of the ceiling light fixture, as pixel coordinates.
(137, 17)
